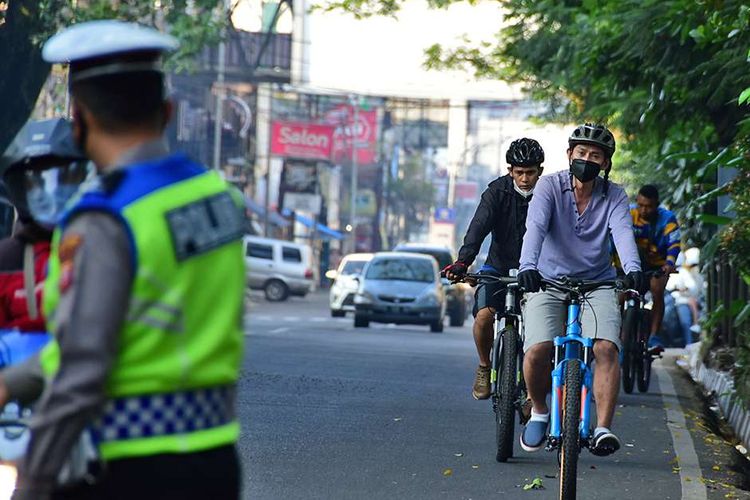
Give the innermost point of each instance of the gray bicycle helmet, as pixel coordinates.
(42, 161)
(593, 133)
(524, 152)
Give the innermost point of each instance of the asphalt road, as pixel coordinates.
(330, 412)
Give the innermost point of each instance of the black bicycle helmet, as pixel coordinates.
(40, 146)
(593, 133)
(524, 152)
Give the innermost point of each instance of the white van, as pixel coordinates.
(279, 268)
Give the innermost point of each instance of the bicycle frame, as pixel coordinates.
(574, 348)
(510, 313)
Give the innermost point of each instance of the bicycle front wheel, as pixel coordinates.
(506, 394)
(631, 349)
(644, 358)
(571, 420)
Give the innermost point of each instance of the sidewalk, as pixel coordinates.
(721, 386)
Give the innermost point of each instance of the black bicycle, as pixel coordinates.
(636, 328)
(507, 387)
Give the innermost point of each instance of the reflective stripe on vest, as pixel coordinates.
(182, 332)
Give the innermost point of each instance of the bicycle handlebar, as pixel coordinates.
(564, 284)
(580, 286)
(492, 278)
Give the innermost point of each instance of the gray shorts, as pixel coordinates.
(544, 315)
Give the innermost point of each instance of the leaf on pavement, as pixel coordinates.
(447, 472)
(716, 467)
(536, 484)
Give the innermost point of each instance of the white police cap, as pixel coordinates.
(102, 39)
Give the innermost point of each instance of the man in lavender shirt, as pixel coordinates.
(570, 219)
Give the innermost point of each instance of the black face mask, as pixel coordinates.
(585, 170)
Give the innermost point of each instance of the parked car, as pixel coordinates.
(456, 293)
(344, 286)
(279, 268)
(401, 288)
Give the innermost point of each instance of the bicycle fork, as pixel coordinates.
(572, 348)
(557, 401)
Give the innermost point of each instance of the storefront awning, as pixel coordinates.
(273, 217)
(324, 232)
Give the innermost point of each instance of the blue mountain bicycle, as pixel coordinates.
(572, 382)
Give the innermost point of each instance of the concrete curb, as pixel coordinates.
(722, 385)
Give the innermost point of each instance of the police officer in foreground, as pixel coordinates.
(144, 294)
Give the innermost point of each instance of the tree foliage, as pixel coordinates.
(26, 24)
(664, 74)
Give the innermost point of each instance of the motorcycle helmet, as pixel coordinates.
(43, 169)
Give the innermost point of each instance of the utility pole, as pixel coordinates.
(264, 117)
(220, 90)
(354, 101)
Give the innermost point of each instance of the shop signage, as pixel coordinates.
(301, 140)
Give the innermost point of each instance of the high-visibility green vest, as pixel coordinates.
(171, 387)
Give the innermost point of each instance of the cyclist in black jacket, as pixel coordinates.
(502, 211)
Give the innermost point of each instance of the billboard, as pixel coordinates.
(301, 140)
(365, 133)
(466, 192)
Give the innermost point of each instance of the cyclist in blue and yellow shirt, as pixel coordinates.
(657, 235)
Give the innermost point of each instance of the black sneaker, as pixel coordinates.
(604, 443)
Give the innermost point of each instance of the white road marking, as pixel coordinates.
(251, 317)
(692, 489)
(279, 330)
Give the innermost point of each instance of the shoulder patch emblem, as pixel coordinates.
(66, 253)
(69, 246)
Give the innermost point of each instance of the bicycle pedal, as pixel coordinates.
(552, 444)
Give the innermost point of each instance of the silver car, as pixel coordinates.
(401, 288)
(279, 268)
(345, 284)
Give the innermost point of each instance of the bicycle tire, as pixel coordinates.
(571, 419)
(506, 395)
(645, 360)
(630, 346)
